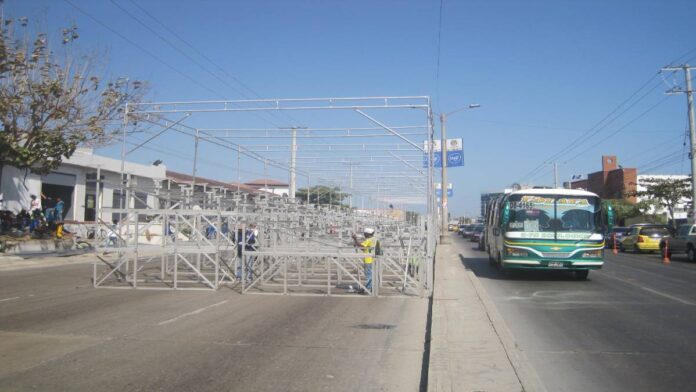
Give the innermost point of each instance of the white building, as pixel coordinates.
(681, 210)
(75, 183)
(271, 186)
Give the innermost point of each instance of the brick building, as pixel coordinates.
(613, 182)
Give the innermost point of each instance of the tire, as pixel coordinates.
(622, 249)
(581, 274)
(691, 254)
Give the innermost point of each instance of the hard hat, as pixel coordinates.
(369, 230)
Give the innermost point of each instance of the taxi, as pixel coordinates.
(644, 238)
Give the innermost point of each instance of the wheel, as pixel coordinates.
(691, 254)
(622, 249)
(581, 274)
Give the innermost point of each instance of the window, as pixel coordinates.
(554, 214)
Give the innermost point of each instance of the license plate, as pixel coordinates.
(555, 264)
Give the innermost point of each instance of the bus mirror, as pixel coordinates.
(610, 218)
(506, 214)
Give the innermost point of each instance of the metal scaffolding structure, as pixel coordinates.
(195, 237)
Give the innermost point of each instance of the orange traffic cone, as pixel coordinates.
(665, 253)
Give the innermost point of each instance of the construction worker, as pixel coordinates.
(368, 246)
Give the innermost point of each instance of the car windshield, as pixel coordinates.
(554, 216)
(619, 230)
(654, 232)
(478, 229)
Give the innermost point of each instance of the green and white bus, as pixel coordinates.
(547, 229)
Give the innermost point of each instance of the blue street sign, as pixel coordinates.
(450, 192)
(454, 159)
(438, 190)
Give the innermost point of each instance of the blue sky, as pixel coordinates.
(544, 72)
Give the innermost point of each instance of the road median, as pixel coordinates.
(471, 348)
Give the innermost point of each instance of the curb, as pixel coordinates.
(525, 373)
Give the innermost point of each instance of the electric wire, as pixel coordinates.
(144, 50)
(592, 131)
(617, 131)
(199, 53)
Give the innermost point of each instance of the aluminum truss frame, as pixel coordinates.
(198, 241)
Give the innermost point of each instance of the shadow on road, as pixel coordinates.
(482, 269)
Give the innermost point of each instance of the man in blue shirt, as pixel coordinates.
(58, 210)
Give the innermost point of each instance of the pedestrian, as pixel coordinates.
(368, 246)
(250, 244)
(58, 210)
(34, 204)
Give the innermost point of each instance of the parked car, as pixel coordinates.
(476, 233)
(615, 236)
(683, 241)
(461, 229)
(482, 240)
(644, 237)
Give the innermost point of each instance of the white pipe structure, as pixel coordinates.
(373, 149)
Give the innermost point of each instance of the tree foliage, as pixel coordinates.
(666, 192)
(323, 195)
(49, 105)
(622, 210)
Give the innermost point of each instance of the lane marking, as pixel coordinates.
(648, 289)
(203, 309)
(668, 296)
(9, 299)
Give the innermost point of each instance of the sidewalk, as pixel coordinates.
(471, 348)
(13, 263)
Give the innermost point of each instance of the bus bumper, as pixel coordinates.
(552, 264)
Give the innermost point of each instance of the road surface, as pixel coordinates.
(629, 327)
(57, 333)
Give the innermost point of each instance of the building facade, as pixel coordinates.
(612, 182)
(75, 183)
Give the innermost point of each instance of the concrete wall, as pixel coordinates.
(16, 188)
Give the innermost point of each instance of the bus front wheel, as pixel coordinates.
(581, 274)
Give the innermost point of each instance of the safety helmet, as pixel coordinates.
(369, 230)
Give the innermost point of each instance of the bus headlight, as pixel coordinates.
(516, 252)
(592, 254)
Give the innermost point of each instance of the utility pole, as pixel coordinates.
(293, 161)
(555, 175)
(692, 131)
(443, 147)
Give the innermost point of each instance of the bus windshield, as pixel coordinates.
(554, 216)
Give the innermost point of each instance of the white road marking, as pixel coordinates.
(668, 296)
(648, 289)
(9, 299)
(191, 313)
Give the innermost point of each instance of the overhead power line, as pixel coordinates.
(144, 50)
(171, 31)
(597, 127)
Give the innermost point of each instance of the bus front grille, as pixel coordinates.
(556, 255)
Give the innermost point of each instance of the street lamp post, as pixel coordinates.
(443, 146)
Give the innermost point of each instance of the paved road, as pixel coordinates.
(629, 327)
(57, 333)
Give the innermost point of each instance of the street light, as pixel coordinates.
(443, 146)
